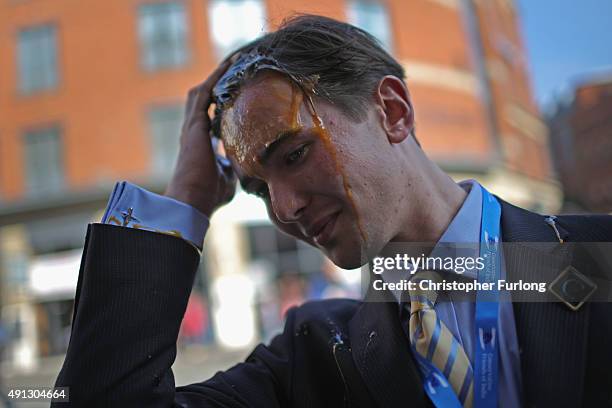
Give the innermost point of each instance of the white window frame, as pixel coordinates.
(156, 24)
(234, 23)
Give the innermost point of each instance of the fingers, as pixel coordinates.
(204, 90)
(197, 122)
(233, 57)
(212, 79)
(191, 97)
(199, 97)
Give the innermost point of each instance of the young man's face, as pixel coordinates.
(328, 187)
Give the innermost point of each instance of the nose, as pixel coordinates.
(287, 202)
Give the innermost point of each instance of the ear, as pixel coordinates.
(394, 108)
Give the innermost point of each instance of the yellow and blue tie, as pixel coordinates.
(433, 341)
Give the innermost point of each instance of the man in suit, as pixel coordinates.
(317, 121)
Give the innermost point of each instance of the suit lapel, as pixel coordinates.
(382, 355)
(552, 339)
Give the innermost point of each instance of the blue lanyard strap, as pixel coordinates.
(486, 350)
(486, 341)
(436, 385)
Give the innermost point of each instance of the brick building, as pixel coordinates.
(92, 92)
(580, 130)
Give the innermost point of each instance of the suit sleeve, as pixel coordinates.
(131, 295)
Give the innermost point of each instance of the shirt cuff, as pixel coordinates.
(134, 207)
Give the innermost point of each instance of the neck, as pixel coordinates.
(437, 199)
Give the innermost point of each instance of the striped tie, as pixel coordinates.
(432, 340)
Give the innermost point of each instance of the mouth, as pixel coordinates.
(323, 231)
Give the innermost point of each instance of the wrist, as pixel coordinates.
(191, 197)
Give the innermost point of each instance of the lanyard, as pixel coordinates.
(486, 341)
(437, 387)
(487, 307)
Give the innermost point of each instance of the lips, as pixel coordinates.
(322, 229)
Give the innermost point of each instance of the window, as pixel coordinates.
(43, 161)
(234, 23)
(371, 16)
(165, 128)
(283, 252)
(162, 29)
(37, 58)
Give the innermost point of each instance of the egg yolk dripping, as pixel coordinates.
(256, 120)
(245, 140)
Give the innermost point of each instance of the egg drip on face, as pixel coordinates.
(252, 123)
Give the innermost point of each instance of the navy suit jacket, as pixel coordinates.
(133, 289)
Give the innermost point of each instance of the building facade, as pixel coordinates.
(93, 93)
(581, 146)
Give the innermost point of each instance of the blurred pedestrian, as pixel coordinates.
(328, 284)
(291, 292)
(195, 321)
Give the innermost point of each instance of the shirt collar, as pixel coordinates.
(463, 228)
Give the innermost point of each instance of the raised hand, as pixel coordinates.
(201, 178)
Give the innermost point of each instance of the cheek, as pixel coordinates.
(289, 229)
(323, 171)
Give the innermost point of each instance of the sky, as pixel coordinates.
(566, 40)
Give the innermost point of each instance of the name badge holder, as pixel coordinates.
(486, 350)
(486, 347)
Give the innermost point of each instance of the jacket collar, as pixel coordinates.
(381, 352)
(547, 332)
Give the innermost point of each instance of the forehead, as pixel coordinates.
(267, 102)
(272, 86)
(267, 106)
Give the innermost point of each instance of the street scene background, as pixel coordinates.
(92, 93)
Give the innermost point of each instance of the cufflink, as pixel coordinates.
(128, 217)
(572, 288)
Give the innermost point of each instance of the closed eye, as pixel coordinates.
(296, 155)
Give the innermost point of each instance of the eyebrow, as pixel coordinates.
(280, 139)
(245, 182)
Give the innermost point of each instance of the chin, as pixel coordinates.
(354, 254)
(347, 262)
(351, 255)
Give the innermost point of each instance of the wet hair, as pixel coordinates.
(333, 60)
